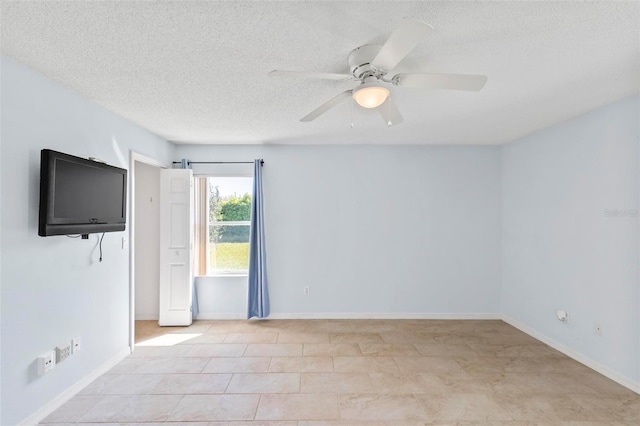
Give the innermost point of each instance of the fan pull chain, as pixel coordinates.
(389, 107)
(352, 113)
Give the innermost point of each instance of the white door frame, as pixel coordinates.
(133, 158)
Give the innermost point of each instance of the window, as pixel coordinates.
(224, 205)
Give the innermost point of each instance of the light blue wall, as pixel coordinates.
(530, 214)
(54, 289)
(560, 248)
(374, 229)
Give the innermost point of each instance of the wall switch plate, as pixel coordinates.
(46, 362)
(76, 345)
(62, 353)
(306, 291)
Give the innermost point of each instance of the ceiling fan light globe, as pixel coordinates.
(370, 96)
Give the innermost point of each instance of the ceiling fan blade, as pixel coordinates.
(304, 74)
(402, 41)
(441, 81)
(390, 113)
(326, 106)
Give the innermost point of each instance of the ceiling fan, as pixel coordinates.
(370, 65)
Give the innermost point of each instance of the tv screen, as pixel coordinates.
(80, 196)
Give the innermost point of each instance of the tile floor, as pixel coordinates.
(347, 372)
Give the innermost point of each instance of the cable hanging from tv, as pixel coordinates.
(101, 238)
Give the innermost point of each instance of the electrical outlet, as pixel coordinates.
(62, 353)
(597, 330)
(562, 315)
(76, 345)
(46, 362)
(306, 291)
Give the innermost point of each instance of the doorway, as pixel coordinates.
(144, 241)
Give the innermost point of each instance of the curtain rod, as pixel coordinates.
(218, 162)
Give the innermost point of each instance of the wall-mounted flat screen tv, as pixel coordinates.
(80, 196)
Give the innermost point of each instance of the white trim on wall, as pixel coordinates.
(594, 365)
(354, 315)
(208, 316)
(71, 391)
(141, 317)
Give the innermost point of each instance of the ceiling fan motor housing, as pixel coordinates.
(360, 62)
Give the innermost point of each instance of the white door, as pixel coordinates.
(176, 246)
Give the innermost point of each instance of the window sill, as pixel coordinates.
(225, 275)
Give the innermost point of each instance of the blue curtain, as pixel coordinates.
(186, 164)
(258, 299)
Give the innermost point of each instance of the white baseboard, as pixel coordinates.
(385, 315)
(214, 316)
(355, 315)
(70, 392)
(146, 317)
(594, 365)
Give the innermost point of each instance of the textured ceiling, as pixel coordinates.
(196, 71)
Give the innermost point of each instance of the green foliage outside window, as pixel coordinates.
(229, 244)
(230, 209)
(235, 209)
(214, 212)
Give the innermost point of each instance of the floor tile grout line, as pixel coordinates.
(423, 408)
(255, 413)
(300, 382)
(396, 364)
(175, 408)
(229, 383)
